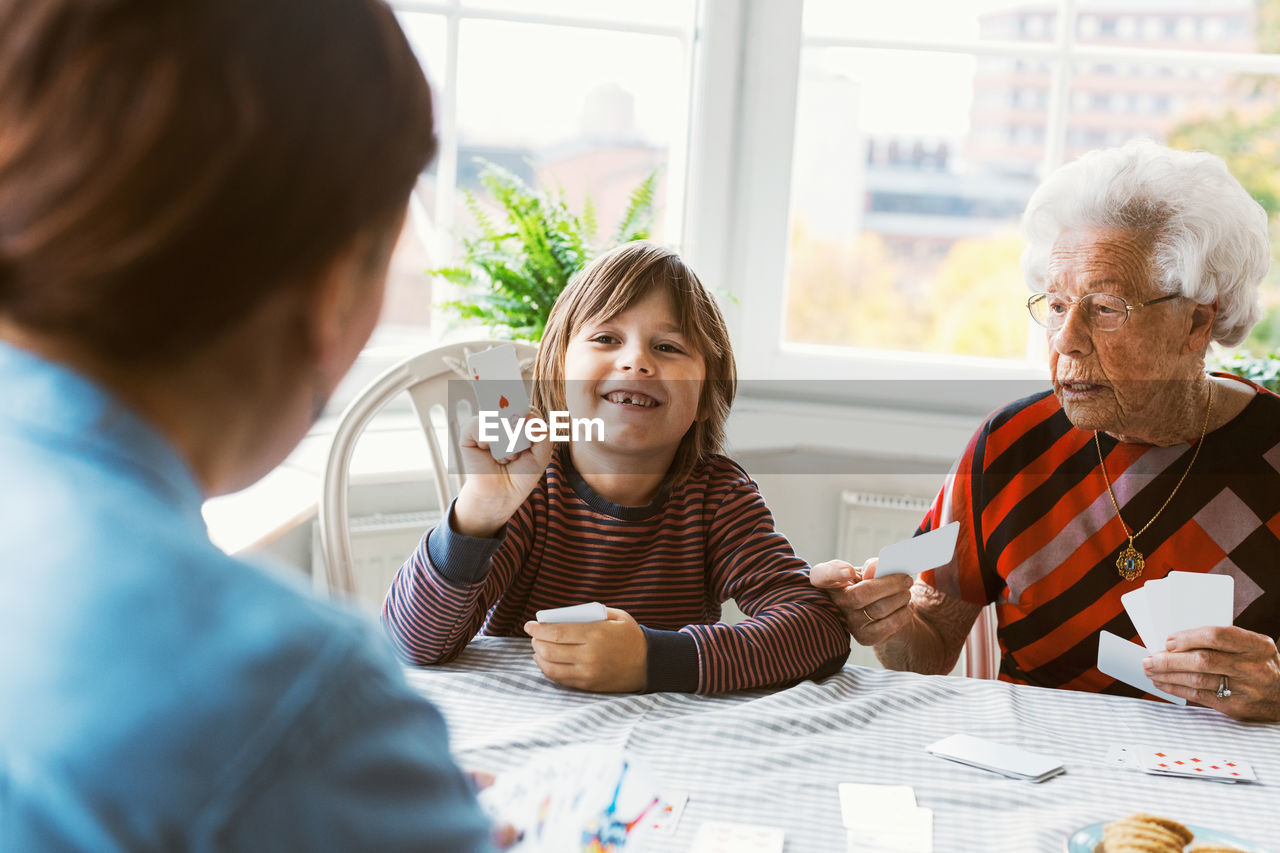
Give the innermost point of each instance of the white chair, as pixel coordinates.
(981, 648)
(426, 378)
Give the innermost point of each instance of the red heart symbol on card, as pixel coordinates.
(503, 402)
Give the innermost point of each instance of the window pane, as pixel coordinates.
(932, 20)
(905, 201)
(1236, 116)
(592, 111)
(406, 311)
(1225, 25)
(679, 13)
(427, 38)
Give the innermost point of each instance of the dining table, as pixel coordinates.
(775, 757)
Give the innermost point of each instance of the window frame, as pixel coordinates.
(772, 42)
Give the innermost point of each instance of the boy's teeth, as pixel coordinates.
(623, 397)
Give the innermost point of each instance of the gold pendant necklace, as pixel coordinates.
(1130, 563)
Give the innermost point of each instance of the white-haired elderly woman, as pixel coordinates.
(1137, 464)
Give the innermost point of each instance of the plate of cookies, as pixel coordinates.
(1145, 833)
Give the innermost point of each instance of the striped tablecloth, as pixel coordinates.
(775, 758)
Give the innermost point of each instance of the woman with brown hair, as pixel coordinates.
(198, 202)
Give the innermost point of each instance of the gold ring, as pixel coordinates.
(870, 618)
(1223, 691)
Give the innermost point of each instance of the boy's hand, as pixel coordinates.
(495, 488)
(605, 657)
(874, 608)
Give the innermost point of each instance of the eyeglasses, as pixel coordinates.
(1104, 312)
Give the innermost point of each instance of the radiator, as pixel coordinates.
(867, 523)
(379, 545)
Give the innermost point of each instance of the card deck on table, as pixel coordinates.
(915, 555)
(719, 837)
(1011, 761)
(499, 388)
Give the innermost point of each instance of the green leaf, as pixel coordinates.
(637, 219)
(519, 260)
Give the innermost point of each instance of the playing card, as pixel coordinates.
(1011, 761)
(666, 816)
(1174, 762)
(720, 837)
(1137, 605)
(572, 798)
(911, 833)
(1122, 660)
(926, 551)
(1123, 756)
(592, 611)
(861, 803)
(1188, 600)
(499, 389)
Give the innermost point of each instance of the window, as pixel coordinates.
(886, 244)
(588, 95)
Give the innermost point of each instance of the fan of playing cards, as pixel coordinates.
(1159, 608)
(581, 799)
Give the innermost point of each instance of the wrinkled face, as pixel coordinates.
(1114, 381)
(638, 373)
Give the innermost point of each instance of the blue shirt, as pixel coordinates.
(156, 694)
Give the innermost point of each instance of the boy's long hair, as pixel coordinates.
(611, 284)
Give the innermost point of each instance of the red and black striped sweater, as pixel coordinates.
(670, 564)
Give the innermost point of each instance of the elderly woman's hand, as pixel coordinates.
(874, 608)
(1195, 661)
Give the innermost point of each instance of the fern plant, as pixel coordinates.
(516, 265)
(1265, 370)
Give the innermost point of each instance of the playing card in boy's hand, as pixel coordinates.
(499, 389)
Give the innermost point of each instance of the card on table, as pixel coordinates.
(592, 611)
(1195, 764)
(926, 551)
(1011, 761)
(666, 816)
(912, 833)
(499, 388)
(720, 837)
(1122, 660)
(862, 803)
(885, 817)
(574, 797)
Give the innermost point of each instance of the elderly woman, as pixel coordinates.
(1137, 464)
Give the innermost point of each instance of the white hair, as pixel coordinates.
(1210, 237)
